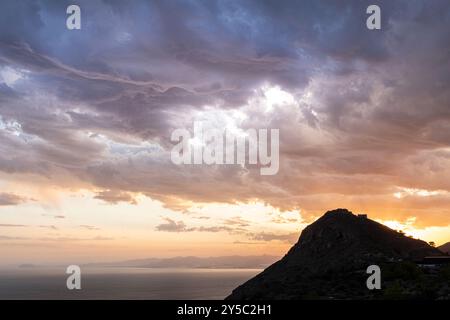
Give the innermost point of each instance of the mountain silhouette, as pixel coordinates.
(331, 257)
(445, 248)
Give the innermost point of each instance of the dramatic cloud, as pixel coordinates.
(115, 197)
(180, 226)
(233, 226)
(8, 225)
(7, 199)
(6, 238)
(172, 226)
(362, 114)
(237, 221)
(266, 236)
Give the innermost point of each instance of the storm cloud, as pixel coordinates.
(366, 113)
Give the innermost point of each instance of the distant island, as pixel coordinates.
(331, 257)
(220, 262)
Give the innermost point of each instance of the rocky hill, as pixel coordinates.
(445, 248)
(330, 259)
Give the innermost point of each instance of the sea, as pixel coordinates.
(110, 283)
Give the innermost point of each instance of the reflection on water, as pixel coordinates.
(123, 283)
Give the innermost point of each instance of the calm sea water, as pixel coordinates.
(123, 283)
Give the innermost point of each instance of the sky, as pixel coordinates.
(86, 118)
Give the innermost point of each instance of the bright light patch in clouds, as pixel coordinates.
(10, 76)
(439, 235)
(405, 226)
(418, 193)
(123, 149)
(233, 121)
(275, 96)
(11, 127)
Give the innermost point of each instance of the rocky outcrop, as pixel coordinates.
(330, 260)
